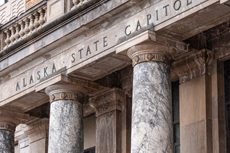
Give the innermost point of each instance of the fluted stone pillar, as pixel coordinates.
(152, 109)
(66, 120)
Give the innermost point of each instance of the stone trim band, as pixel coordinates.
(148, 52)
(62, 96)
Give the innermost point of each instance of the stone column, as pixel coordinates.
(109, 107)
(7, 130)
(152, 109)
(8, 122)
(66, 120)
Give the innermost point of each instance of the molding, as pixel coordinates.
(193, 64)
(148, 52)
(108, 101)
(62, 92)
(63, 96)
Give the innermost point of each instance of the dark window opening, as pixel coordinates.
(176, 117)
(227, 101)
(90, 150)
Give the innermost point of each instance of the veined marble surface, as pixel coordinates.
(66, 127)
(6, 141)
(152, 109)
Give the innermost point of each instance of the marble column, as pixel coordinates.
(152, 109)
(7, 130)
(66, 120)
(8, 122)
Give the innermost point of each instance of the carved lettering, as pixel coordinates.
(88, 51)
(45, 72)
(149, 17)
(127, 31)
(166, 9)
(96, 44)
(73, 57)
(35, 77)
(54, 69)
(80, 52)
(177, 5)
(189, 2)
(17, 87)
(138, 26)
(31, 79)
(105, 41)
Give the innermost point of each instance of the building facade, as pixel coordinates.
(115, 76)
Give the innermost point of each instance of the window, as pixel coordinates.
(227, 101)
(176, 117)
(3, 2)
(90, 150)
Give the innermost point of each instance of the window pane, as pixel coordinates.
(176, 117)
(176, 133)
(175, 101)
(177, 149)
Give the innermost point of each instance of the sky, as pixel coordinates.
(2, 2)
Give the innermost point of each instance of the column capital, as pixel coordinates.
(193, 64)
(62, 92)
(149, 51)
(108, 101)
(10, 119)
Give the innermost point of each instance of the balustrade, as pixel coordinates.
(24, 26)
(19, 24)
(77, 3)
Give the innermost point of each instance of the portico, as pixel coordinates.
(86, 76)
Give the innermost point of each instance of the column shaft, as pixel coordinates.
(66, 122)
(151, 112)
(152, 109)
(6, 141)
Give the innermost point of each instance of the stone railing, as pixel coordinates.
(20, 19)
(24, 26)
(77, 3)
(11, 10)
